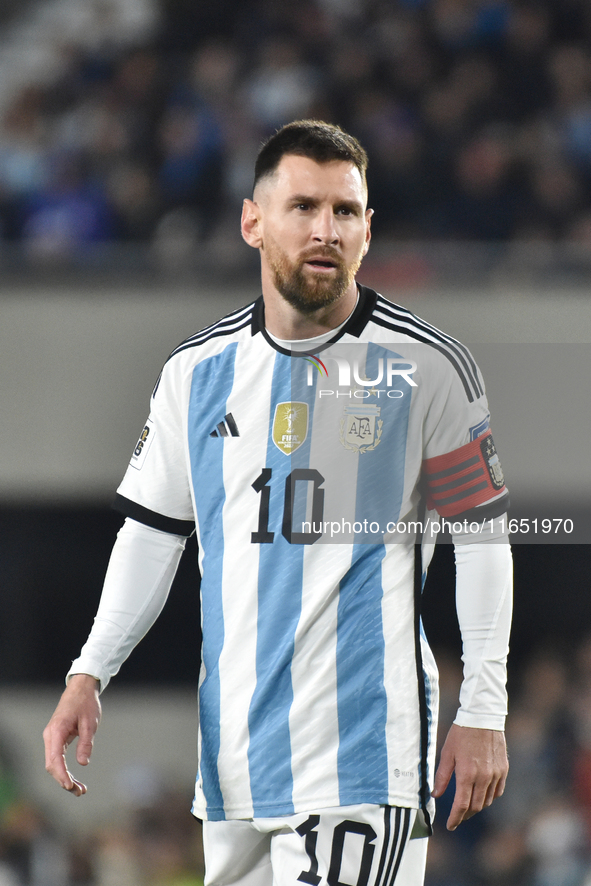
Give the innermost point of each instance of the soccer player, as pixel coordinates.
(313, 439)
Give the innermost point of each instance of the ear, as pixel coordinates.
(368, 215)
(250, 224)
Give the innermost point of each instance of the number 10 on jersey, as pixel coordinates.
(262, 485)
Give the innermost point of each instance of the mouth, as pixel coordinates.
(321, 264)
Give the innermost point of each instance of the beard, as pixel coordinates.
(306, 291)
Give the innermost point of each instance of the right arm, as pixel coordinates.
(140, 573)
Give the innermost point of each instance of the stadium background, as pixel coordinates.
(128, 130)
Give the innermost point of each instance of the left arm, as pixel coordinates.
(475, 746)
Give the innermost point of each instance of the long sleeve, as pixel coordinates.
(139, 576)
(484, 596)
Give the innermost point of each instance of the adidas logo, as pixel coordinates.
(226, 428)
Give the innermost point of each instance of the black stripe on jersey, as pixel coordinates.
(226, 326)
(363, 311)
(400, 320)
(229, 320)
(221, 328)
(387, 870)
(153, 519)
(421, 676)
(258, 316)
(421, 338)
(405, 315)
(387, 817)
(401, 845)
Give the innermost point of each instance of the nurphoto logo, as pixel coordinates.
(393, 370)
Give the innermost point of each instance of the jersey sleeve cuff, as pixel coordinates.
(153, 519)
(481, 721)
(92, 669)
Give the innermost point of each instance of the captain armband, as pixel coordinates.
(465, 478)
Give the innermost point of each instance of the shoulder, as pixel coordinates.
(228, 327)
(209, 341)
(389, 322)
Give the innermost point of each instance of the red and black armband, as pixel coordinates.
(465, 478)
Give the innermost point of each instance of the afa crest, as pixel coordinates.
(290, 426)
(361, 427)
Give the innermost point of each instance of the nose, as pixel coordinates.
(325, 230)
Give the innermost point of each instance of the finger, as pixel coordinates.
(77, 787)
(58, 769)
(55, 761)
(495, 789)
(85, 744)
(500, 787)
(482, 795)
(474, 799)
(56, 766)
(461, 809)
(442, 777)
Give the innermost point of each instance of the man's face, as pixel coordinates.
(313, 230)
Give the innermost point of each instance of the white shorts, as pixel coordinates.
(361, 845)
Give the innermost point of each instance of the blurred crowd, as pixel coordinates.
(155, 843)
(537, 834)
(476, 115)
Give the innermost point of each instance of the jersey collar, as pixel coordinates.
(354, 325)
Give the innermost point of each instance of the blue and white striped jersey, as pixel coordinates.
(301, 472)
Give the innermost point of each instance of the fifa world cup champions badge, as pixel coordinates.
(290, 426)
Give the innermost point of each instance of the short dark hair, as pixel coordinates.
(315, 139)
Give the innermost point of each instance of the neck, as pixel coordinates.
(286, 322)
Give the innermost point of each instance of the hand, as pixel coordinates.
(479, 759)
(77, 714)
